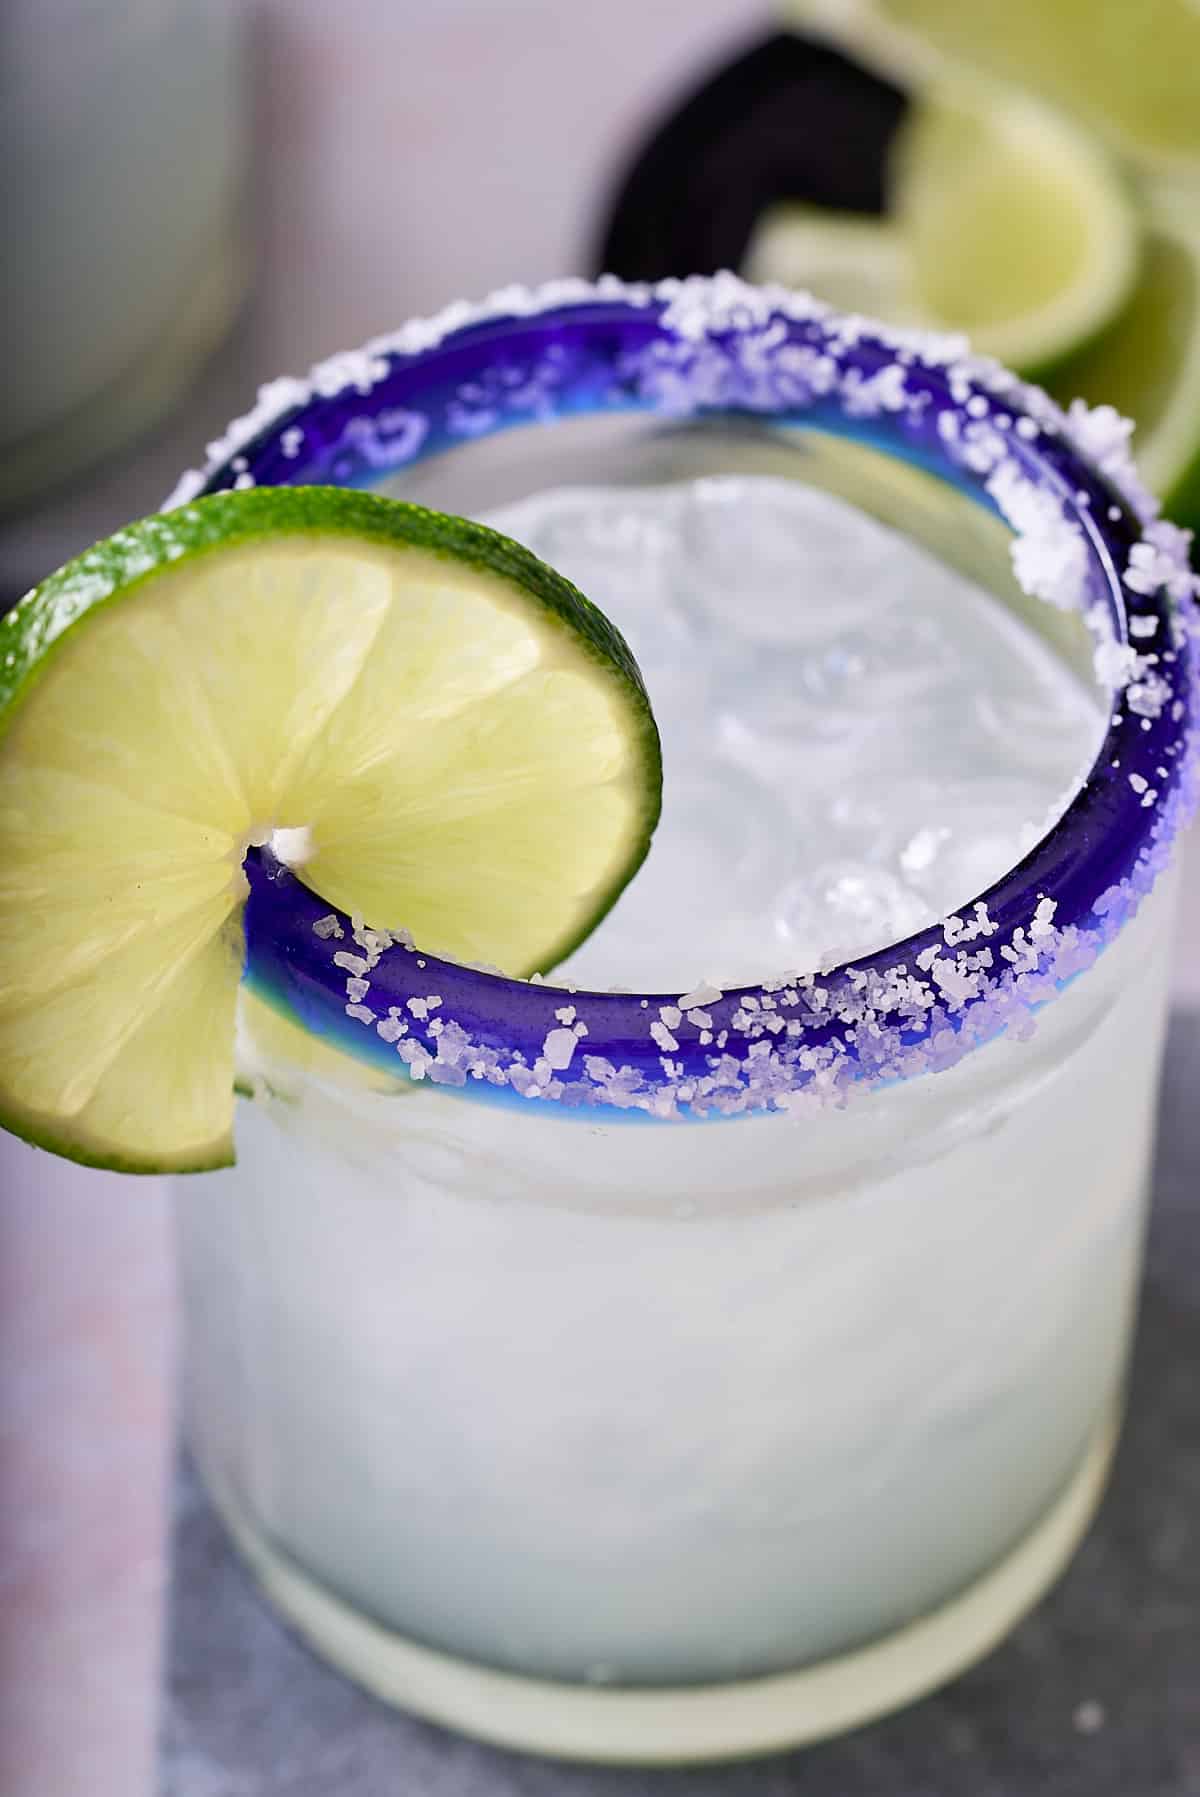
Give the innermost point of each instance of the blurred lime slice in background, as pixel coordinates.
(1147, 363)
(1020, 230)
(856, 263)
(1004, 222)
(1125, 68)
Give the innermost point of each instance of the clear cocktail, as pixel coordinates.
(714, 1336)
(684, 1374)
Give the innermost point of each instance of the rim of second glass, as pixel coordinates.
(1086, 537)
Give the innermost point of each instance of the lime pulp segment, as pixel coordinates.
(455, 742)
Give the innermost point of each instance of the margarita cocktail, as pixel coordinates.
(674, 1290)
(721, 1340)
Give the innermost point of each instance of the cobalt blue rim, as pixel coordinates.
(1084, 536)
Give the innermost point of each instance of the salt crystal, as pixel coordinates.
(1115, 663)
(1048, 551)
(1147, 697)
(559, 1048)
(374, 941)
(453, 1041)
(351, 963)
(416, 1057)
(447, 1073)
(703, 994)
(883, 391)
(1043, 918)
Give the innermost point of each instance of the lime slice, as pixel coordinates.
(1004, 222)
(1147, 364)
(1125, 68)
(854, 263)
(446, 735)
(1020, 231)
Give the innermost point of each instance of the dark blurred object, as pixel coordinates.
(120, 156)
(790, 119)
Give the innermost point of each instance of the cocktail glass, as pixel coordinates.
(664, 1375)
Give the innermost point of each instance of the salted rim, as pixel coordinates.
(1086, 537)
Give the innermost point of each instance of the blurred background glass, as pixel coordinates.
(309, 176)
(121, 150)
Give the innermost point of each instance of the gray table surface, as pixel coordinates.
(1097, 1692)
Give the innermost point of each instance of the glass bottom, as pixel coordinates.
(696, 1723)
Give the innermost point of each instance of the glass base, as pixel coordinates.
(695, 1723)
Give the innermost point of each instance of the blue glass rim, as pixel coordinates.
(1086, 536)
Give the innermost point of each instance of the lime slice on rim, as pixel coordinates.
(1147, 363)
(1125, 68)
(449, 737)
(1005, 223)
